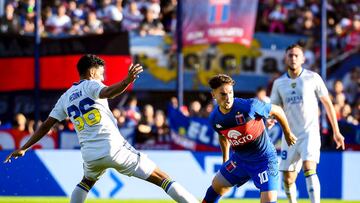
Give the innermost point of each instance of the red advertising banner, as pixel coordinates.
(58, 59)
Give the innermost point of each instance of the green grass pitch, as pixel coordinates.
(66, 200)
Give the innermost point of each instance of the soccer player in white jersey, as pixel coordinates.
(298, 92)
(102, 146)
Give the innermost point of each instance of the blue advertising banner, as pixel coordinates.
(56, 173)
(192, 133)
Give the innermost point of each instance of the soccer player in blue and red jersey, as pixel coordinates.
(240, 125)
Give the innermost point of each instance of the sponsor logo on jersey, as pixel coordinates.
(243, 134)
(234, 134)
(294, 99)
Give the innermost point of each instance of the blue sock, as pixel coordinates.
(211, 196)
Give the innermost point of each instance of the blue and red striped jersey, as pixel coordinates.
(244, 127)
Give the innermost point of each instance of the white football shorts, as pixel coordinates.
(127, 161)
(307, 148)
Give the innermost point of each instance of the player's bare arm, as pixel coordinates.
(39, 133)
(330, 111)
(118, 88)
(279, 114)
(225, 147)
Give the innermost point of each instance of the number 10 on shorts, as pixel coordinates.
(263, 177)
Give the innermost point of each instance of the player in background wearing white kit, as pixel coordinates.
(102, 145)
(298, 92)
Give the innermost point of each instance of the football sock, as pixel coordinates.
(291, 191)
(79, 194)
(313, 185)
(211, 196)
(177, 192)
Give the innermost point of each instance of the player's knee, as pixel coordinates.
(288, 180)
(220, 184)
(86, 184)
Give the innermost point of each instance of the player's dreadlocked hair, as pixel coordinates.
(297, 45)
(88, 61)
(220, 79)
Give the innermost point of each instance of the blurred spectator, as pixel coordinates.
(110, 15)
(75, 11)
(209, 107)
(308, 25)
(174, 103)
(150, 25)
(10, 22)
(19, 128)
(143, 130)
(132, 17)
(351, 82)
(352, 39)
(338, 97)
(132, 110)
(76, 27)
(93, 25)
(194, 109)
(347, 116)
(309, 54)
(169, 15)
(60, 23)
(161, 129)
(154, 6)
(277, 18)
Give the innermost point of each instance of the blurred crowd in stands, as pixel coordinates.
(62, 18)
(303, 17)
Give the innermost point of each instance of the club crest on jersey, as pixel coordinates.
(230, 166)
(240, 119)
(293, 85)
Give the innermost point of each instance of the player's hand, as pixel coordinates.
(290, 139)
(134, 71)
(339, 140)
(15, 154)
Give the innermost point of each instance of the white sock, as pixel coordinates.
(78, 195)
(313, 188)
(291, 192)
(178, 192)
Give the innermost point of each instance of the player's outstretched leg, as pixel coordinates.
(81, 190)
(172, 188)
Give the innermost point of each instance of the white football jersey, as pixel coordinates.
(94, 123)
(299, 99)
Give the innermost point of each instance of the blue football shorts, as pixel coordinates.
(264, 173)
